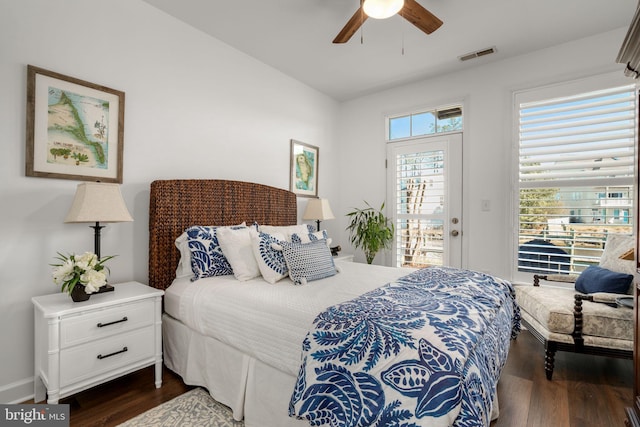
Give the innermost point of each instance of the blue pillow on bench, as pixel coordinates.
(598, 279)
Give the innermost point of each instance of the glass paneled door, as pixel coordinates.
(425, 201)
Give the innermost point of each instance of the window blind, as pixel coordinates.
(419, 195)
(585, 137)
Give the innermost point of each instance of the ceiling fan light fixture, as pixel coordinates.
(382, 9)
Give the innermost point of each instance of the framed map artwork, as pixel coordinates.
(303, 178)
(75, 129)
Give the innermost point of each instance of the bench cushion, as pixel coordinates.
(552, 307)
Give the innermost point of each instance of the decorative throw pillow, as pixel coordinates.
(287, 230)
(597, 279)
(236, 247)
(308, 261)
(184, 264)
(207, 259)
(310, 237)
(270, 260)
(615, 246)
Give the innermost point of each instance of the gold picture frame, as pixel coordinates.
(75, 129)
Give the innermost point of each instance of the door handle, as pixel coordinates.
(454, 233)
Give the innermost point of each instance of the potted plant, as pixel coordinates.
(370, 230)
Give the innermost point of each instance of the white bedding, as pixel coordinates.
(268, 321)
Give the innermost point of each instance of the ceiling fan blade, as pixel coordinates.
(352, 26)
(419, 16)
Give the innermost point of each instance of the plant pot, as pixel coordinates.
(78, 294)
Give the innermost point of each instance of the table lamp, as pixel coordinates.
(318, 210)
(98, 202)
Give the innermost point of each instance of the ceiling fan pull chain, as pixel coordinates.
(361, 24)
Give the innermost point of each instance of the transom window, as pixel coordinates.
(442, 120)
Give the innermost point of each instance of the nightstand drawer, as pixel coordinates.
(86, 327)
(99, 357)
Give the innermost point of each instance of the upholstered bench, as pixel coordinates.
(566, 320)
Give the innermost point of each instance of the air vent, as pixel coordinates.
(449, 113)
(477, 54)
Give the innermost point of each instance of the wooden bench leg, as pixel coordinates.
(549, 357)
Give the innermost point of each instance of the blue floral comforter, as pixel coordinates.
(426, 350)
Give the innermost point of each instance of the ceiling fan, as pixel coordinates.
(381, 9)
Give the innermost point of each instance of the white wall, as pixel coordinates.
(195, 108)
(487, 95)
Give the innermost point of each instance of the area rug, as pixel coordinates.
(193, 408)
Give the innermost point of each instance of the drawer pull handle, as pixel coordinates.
(112, 354)
(102, 325)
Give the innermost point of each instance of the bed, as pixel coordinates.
(352, 348)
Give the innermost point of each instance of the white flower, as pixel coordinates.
(63, 272)
(86, 261)
(93, 280)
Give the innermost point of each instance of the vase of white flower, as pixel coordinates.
(79, 294)
(80, 275)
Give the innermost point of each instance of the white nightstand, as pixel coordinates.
(82, 344)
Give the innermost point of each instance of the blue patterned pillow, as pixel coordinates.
(207, 259)
(270, 260)
(308, 261)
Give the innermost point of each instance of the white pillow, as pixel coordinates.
(184, 264)
(270, 260)
(287, 230)
(236, 247)
(615, 246)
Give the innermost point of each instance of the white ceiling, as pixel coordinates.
(294, 36)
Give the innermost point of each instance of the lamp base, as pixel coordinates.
(105, 288)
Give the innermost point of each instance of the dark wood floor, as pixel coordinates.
(586, 391)
(119, 400)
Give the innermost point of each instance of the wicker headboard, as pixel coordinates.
(177, 204)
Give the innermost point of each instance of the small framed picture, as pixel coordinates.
(304, 169)
(75, 129)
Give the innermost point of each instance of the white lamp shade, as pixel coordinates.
(318, 209)
(381, 9)
(98, 202)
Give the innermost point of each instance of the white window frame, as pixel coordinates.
(585, 85)
(462, 103)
